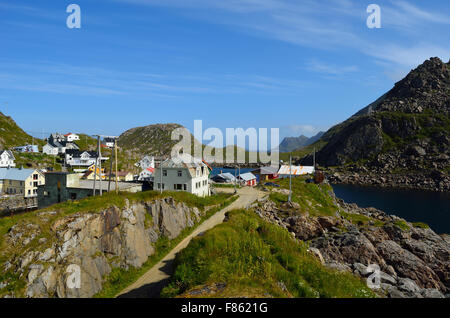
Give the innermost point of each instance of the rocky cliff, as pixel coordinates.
(414, 262)
(42, 259)
(405, 132)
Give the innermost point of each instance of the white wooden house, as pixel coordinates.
(7, 159)
(183, 173)
(81, 158)
(72, 137)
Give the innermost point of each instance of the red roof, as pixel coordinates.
(152, 170)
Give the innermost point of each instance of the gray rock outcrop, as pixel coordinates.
(89, 245)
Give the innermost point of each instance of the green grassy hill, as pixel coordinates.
(156, 140)
(11, 135)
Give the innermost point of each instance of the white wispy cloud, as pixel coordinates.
(408, 55)
(407, 14)
(328, 24)
(89, 80)
(321, 67)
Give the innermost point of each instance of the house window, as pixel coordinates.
(184, 187)
(159, 186)
(164, 173)
(35, 176)
(35, 184)
(178, 186)
(46, 193)
(180, 173)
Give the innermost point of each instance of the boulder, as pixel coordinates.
(408, 265)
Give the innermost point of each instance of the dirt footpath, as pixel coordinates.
(153, 281)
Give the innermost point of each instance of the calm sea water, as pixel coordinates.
(430, 207)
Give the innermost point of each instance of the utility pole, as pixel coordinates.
(115, 162)
(95, 165)
(100, 165)
(110, 168)
(314, 158)
(290, 177)
(235, 180)
(161, 179)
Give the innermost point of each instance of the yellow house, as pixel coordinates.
(90, 175)
(18, 181)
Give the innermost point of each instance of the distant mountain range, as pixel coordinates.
(294, 143)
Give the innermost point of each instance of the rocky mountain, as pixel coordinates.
(11, 135)
(406, 131)
(293, 143)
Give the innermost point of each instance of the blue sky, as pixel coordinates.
(302, 66)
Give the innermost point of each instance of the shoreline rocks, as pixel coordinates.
(434, 181)
(412, 262)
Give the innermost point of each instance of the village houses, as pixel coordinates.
(27, 149)
(147, 164)
(58, 144)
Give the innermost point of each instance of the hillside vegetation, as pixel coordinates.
(249, 257)
(11, 135)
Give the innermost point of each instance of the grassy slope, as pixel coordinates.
(313, 199)
(92, 204)
(254, 258)
(11, 135)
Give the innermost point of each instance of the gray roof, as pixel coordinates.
(89, 184)
(15, 174)
(247, 176)
(227, 176)
(183, 161)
